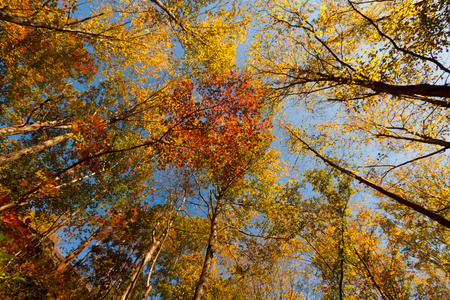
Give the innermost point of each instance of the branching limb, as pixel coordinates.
(416, 207)
(396, 46)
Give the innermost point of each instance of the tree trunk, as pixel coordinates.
(422, 90)
(425, 90)
(20, 129)
(207, 265)
(61, 268)
(11, 157)
(144, 261)
(416, 207)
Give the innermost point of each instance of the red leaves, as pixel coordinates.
(16, 232)
(221, 129)
(35, 56)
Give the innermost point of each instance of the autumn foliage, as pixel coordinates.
(90, 139)
(127, 134)
(25, 272)
(216, 123)
(14, 227)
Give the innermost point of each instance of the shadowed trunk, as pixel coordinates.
(209, 256)
(62, 267)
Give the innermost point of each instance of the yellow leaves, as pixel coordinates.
(213, 43)
(136, 40)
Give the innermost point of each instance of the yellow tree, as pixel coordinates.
(377, 72)
(372, 81)
(53, 52)
(332, 246)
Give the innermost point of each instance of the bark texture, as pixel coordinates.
(209, 256)
(13, 156)
(20, 129)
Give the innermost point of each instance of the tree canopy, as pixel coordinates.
(139, 159)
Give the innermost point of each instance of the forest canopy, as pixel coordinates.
(140, 159)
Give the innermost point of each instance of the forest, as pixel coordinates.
(203, 149)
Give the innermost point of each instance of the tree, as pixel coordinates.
(383, 73)
(217, 137)
(339, 247)
(83, 106)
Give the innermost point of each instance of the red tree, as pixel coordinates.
(217, 124)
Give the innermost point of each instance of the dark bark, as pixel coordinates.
(37, 23)
(367, 270)
(416, 207)
(341, 260)
(209, 256)
(423, 91)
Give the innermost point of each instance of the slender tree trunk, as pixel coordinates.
(11, 157)
(341, 260)
(207, 265)
(20, 129)
(416, 207)
(62, 267)
(147, 292)
(144, 261)
(369, 273)
(148, 286)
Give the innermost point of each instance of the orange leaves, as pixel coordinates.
(216, 124)
(35, 56)
(13, 229)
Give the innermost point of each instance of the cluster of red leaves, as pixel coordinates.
(14, 228)
(46, 184)
(90, 139)
(220, 131)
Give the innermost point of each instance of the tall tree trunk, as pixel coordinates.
(20, 129)
(144, 261)
(416, 207)
(207, 265)
(62, 267)
(11, 157)
(148, 286)
(341, 258)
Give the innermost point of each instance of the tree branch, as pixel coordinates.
(397, 47)
(34, 22)
(416, 207)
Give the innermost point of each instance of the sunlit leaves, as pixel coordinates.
(216, 124)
